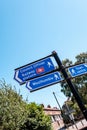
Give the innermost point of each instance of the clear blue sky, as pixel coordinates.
(32, 29)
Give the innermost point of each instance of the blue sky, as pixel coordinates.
(32, 29)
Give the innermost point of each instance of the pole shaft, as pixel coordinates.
(62, 114)
(57, 101)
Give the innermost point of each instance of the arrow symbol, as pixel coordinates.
(16, 77)
(28, 86)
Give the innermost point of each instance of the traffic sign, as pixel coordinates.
(33, 70)
(78, 70)
(44, 81)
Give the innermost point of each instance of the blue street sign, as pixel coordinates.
(78, 70)
(44, 81)
(33, 70)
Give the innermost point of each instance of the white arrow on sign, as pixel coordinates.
(16, 77)
(28, 85)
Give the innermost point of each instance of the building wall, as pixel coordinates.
(57, 120)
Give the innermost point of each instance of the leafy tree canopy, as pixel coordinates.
(80, 83)
(16, 114)
(36, 118)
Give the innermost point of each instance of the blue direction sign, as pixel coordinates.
(33, 70)
(78, 70)
(44, 81)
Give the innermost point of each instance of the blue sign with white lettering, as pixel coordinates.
(33, 70)
(78, 70)
(44, 81)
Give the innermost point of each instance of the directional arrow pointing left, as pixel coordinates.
(44, 81)
(17, 78)
(33, 70)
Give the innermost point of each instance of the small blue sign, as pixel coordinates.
(44, 81)
(78, 70)
(33, 70)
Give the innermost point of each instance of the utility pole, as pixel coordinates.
(70, 115)
(57, 101)
(59, 108)
(73, 89)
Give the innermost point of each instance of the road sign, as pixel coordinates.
(78, 70)
(33, 70)
(44, 81)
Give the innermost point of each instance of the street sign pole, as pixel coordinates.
(73, 90)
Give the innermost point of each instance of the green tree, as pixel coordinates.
(36, 120)
(80, 82)
(16, 114)
(64, 86)
(12, 108)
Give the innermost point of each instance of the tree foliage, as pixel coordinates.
(80, 83)
(36, 120)
(12, 108)
(16, 114)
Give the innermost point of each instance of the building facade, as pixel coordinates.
(55, 114)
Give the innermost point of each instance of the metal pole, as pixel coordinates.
(60, 109)
(70, 115)
(73, 90)
(57, 102)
